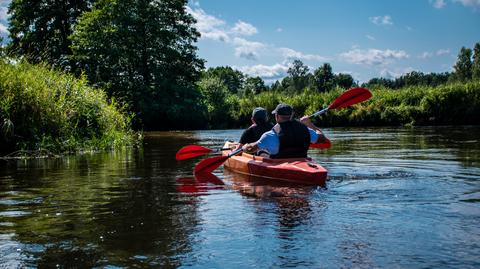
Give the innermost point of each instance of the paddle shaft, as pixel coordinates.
(320, 112)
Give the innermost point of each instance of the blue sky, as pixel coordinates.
(363, 38)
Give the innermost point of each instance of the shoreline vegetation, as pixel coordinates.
(92, 77)
(455, 103)
(44, 112)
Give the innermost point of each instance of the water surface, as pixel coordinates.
(395, 198)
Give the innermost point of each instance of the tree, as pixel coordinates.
(254, 85)
(215, 93)
(142, 52)
(463, 67)
(233, 79)
(476, 62)
(324, 79)
(298, 74)
(344, 80)
(39, 29)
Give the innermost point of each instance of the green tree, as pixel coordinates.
(344, 80)
(463, 67)
(298, 75)
(39, 29)
(324, 79)
(215, 95)
(476, 62)
(254, 85)
(233, 79)
(143, 53)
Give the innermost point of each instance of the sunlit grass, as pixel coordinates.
(43, 109)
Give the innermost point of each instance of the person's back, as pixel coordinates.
(254, 132)
(260, 125)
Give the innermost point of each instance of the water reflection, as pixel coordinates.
(396, 197)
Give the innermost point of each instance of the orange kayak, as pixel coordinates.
(301, 170)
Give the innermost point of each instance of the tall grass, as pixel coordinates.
(450, 104)
(45, 109)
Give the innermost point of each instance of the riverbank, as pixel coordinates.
(44, 110)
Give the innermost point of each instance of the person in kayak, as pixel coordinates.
(289, 138)
(259, 126)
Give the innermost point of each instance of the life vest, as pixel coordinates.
(294, 140)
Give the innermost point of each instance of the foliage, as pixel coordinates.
(457, 103)
(324, 79)
(476, 62)
(413, 78)
(233, 79)
(297, 79)
(39, 29)
(216, 99)
(142, 52)
(44, 109)
(463, 67)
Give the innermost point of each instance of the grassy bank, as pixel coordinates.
(43, 109)
(450, 104)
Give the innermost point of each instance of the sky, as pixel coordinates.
(369, 38)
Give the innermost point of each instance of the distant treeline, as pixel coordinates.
(143, 55)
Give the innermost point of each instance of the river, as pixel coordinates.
(395, 198)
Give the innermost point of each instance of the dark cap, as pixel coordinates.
(260, 114)
(283, 109)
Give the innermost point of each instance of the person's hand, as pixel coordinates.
(306, 121)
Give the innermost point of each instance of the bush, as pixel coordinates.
(45, 109)
(457, 103)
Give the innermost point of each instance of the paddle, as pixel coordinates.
(209, 164)
(192, 151)
(347, 98)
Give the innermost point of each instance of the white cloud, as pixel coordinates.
(389, 74)
(373, 56)
(370, 37)
(267, 72)
(279, 30)
(381, 20)
(209, 26)
(443, 51)
(470, 3)
(438, 3)
(243, 28)
(290, 54)
(247, 49)
(426, 55)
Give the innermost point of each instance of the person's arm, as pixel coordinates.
(321, 138)
(268, 142)
(250, 147)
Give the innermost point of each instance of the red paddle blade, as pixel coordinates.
(351, 97)
(191, 151)
(209, 164)
(325, 145)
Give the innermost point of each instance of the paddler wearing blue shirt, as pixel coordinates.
(289, 138)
